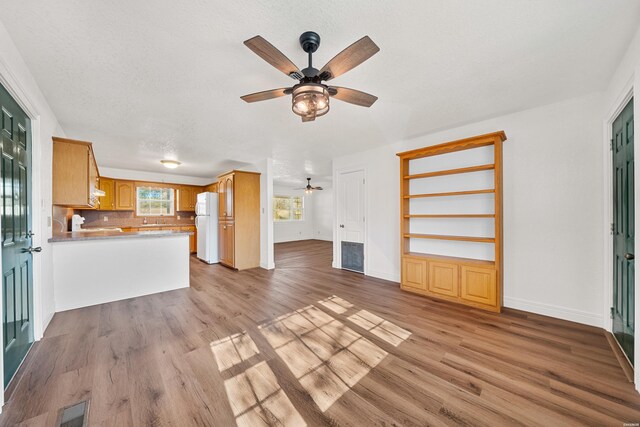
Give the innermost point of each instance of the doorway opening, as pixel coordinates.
(303, 223)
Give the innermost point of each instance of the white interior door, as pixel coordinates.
(350, 199)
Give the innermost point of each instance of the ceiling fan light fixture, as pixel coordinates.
(310, 100)
(171, 164)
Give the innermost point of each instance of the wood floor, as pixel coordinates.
(308, 344)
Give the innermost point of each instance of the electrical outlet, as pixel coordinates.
(105, 218)
(178, 216)
(192, 217)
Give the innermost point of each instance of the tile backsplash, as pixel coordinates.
(128, 219)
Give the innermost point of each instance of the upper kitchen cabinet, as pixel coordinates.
(125, 195)
(108, 201)
(75, 174)
(225, 196)
(187, 197)
(211, 188)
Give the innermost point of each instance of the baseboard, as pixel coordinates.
(384, 275)
(267, 266)
(554, 311)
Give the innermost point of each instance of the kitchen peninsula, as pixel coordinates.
(132, 238)
(102, 266)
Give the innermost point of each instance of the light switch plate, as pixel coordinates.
(106, 218)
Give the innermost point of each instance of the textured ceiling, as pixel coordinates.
(148, 79)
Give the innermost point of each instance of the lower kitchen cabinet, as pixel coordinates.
(193, 239)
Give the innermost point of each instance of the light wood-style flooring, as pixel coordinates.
(306, 344)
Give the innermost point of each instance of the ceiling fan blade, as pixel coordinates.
(317, 188)
(267, 94)
(273, 56)
(308, 118)
(352, 96)
(349, 58)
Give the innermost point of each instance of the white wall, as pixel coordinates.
(318, 217)
(17, 79)
(553, 206)
(323, 214)
(289, 231)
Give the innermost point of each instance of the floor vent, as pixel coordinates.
(75, 415)
(353, 256)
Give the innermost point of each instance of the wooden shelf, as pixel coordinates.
(451, 171)
(450, 216)
(447, 237)
(450, 193)
(445, 258)
(472, 282)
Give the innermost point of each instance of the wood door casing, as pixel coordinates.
(443, 278)
(478, 285)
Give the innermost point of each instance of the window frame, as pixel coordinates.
(174, 207)
(290, 197)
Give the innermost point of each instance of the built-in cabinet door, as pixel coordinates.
(125, 196)
(225, 198)
(222, 243)
(443, 278)
(108, 201)
(478, 285)
(414, 273)
(226, 244)
(222, 212)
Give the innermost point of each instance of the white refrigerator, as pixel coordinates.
(207, 226)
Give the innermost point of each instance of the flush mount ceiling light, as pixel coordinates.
(310, 97)
(171, 164)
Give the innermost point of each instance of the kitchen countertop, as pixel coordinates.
(110, 234)
(139, 226)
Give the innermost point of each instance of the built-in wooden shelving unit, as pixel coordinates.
(470, 281)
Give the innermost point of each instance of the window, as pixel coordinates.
(155, 201)
(288, 208)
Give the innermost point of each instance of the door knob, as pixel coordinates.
(31, 250)
(341, 225)
(629, 256)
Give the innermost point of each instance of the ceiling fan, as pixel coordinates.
(309, 189)
(310, 97)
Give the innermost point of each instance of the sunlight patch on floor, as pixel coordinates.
(336, 304)
(234, 349)
(326, 356)
(381, 328)
(257, 399)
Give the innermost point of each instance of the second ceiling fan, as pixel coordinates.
(310, 97)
